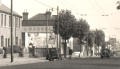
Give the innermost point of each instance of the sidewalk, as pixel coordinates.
(19, 60)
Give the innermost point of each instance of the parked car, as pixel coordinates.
(52, 54)
(75, 54)
(105, 53)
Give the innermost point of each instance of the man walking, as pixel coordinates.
(70, 53)
(4, 52)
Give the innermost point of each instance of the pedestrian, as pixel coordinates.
(70, 53)
(33, 51)
(20, 51)
(30, 49)
(4, 52)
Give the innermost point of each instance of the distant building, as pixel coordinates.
(5, 27)
(113, 45)
(95, 50)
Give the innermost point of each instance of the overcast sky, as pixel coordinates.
(100, 14)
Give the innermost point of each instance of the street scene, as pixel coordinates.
(59, 34)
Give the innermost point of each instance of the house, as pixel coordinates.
(38, 30)
(5, 27)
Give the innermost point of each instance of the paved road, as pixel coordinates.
(86, 63)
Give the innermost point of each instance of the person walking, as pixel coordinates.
(30, 49)
(4, 52)
(70, 53)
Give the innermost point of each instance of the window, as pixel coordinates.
(19, 41)
(19, 22)
(16, 41)
(16, 22)
(6, 42)
(5, 21)
(9, 21)
(2, 41)
(42, 28)
(1, 19)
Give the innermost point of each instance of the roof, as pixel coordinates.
(38, 17)
(7, 10)
(37, 22)
(42, 16)
(40, 20)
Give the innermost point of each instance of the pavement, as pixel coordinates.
(27, 60)
(86, 63)
(19, 60)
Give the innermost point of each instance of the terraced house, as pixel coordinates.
(5, 27)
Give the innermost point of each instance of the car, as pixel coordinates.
(52, 54)
(75, 54)
(105, 53)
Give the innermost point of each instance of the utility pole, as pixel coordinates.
(58, 45)
(47, 32)
(11, 31)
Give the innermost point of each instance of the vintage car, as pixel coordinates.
(105, 53)
(52, 54)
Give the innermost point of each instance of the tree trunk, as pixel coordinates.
(80, 49)
(98, 50)
(87, 49)
(65, 46)
(91, 51)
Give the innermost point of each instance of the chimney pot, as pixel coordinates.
(25, 15)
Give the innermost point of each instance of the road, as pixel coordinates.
(86, 63)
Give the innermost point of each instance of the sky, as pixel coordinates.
(100, 14)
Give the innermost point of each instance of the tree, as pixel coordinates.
(118, 7)
(99, 38)
(90, 40)
(80, 31)
(66, 20)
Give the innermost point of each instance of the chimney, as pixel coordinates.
(48, 14)
(25, 15)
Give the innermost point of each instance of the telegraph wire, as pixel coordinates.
(40, 2)
(75, 10)
(101, 9)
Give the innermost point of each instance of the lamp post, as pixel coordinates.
(11, 31)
